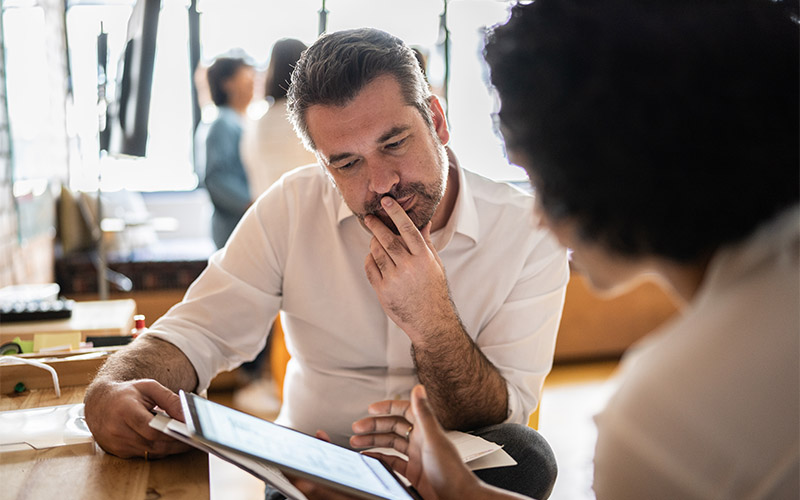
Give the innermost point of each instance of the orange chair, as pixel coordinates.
(533, 421)
(278, 356)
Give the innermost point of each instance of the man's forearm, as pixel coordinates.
(152, 358)
(464, 387)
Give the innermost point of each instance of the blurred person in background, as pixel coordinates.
(270, 147)
(230, 82)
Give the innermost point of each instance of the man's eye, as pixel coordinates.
(396, 144)
(347, 165)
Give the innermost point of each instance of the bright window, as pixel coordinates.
(252, 26)
(29, 105)
(168, 165)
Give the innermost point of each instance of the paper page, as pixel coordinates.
(498, 458)
(471, 447)
(475, 451)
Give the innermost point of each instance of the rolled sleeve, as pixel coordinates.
(227, 313)
(520, 338)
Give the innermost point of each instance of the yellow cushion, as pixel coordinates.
(533, 420)
(278, 356)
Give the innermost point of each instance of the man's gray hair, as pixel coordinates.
(335, 68)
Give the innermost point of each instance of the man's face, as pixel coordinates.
(376, 146)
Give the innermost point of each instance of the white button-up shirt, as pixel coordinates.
(301, 250)
(709, 405)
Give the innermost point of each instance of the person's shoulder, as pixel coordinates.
(302, 194)
(311, 174)
(498, 193)
(306, 181)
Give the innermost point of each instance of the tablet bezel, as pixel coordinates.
(195, 428)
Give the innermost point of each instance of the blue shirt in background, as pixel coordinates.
(225, 177)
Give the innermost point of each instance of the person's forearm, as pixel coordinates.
(152, 358)
(464, 387)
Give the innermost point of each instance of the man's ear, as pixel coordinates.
(439, 120)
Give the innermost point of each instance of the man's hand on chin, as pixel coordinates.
(407, 274)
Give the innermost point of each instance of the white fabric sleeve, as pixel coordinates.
(520, 338)
(226, 314)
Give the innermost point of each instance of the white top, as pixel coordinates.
(301, 250)
(270, 148)
(709, 407)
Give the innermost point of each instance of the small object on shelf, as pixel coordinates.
(10, 348)
(138, 325)
(109, 340)
(36, 310)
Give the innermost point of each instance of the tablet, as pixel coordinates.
(291, 451)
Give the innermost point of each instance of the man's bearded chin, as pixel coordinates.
(425, 203)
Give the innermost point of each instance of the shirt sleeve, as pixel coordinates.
(227, 313)
(520, 337)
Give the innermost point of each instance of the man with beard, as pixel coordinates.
(663, 140)
(382, 264)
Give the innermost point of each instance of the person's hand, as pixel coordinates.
(406, 272)
(118, 414)
(434, 466)
(388, 426)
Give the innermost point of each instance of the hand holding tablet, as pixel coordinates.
(290, 451)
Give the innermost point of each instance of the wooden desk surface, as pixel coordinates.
(84, 471)
(94, 317)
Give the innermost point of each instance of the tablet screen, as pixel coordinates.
(291, 450)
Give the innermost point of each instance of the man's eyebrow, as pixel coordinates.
(399, 129)
(338, 157)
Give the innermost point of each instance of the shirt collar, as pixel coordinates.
(463, 220)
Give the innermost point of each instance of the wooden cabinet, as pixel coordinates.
(593, 326)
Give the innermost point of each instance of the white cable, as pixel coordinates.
(14, 359)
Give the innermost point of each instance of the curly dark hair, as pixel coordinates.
(661, 127)
(335, 68)
(220, 71)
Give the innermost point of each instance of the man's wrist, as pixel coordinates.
(438, 329)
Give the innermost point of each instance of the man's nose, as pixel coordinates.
(382, 177)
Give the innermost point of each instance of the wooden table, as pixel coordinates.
(84, 471)
(95, 317)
